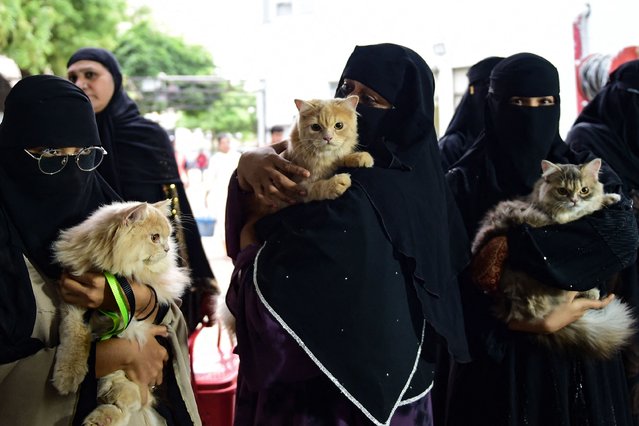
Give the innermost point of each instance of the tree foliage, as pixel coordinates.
(41, 35)
(143, 50)
(234, 112)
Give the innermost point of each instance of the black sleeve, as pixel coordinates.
(578, 255)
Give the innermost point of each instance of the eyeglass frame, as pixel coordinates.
(66, 158)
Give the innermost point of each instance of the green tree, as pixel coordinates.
(145, 51)
(41, 35)
(233, 112)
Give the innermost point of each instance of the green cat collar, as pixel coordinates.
(120, 320)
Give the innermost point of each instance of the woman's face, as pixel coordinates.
(95, 80)
(367, 96)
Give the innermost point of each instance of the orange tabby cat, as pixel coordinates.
(323, 138)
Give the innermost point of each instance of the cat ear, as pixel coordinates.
(352, 100)
(302, 105)
(548, 168)
(136, 213)
(592, 168)
(164, 206)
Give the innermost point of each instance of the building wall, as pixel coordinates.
(300, 52)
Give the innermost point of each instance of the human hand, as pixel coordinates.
(142, 364)
(567, 313)
(266, 174)
(88, 290)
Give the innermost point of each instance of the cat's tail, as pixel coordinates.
(599, 333)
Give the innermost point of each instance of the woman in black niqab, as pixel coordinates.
(71, 194)
(512, 380)
(41, 112)
(142, 167)
(609, 128)
(468, 120)
(338, 291)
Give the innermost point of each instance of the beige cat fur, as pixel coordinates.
(134, 240)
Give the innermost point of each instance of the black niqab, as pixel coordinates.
(398, 217)
(46, 111)
(468, 120)
(609, 125)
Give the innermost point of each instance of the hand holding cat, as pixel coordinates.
(141, 364)
(87, 291)
(266, 174)
(567, 313)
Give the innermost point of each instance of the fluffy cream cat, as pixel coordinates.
(131, 239)
(565, 192)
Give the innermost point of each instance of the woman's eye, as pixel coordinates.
(73, 78)
(90, 75)
(585, 190)
(339, 125)
(155, 238)
(517, 102)
(316, 127)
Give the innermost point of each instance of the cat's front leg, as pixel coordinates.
(121, 398)
(328, 189)
(73, 351)
(358, 159)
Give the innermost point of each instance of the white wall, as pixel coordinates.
(298, 56)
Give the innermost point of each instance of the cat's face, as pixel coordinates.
(327, 125)
(146, 234)
(569, 186)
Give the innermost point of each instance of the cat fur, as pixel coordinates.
(118, 238)
(598, 333)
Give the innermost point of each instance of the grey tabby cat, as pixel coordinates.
(564, 193)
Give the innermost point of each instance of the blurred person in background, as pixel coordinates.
(277, 134)
(609, 128)
(221, 166)
(141, 166)
(468, 120)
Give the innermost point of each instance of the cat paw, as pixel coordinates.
(341, 183)
(67, 379)
(610, 199)
(359, 159)
(106, 415)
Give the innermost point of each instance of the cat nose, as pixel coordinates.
(166, 249)
(328, 138)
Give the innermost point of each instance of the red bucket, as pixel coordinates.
(214, 374)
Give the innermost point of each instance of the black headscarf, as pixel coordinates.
(367, 268)
(515, 139)
(609, 125)
(40, 111)
(468, 120)
(140, 149)
(49, 112)
(504, 163)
